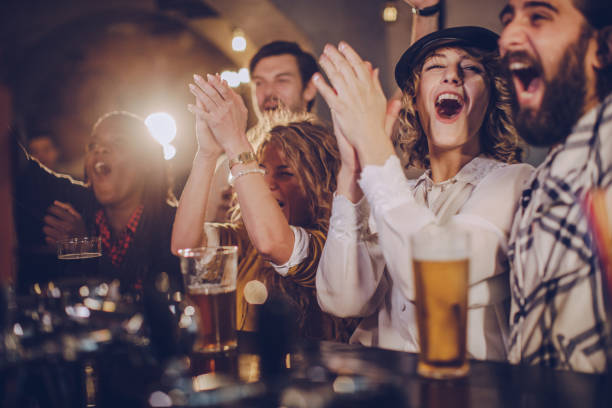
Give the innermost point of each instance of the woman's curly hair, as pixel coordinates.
(498, 137)
(311, 151)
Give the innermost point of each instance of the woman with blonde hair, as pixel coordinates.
(284, 191)
(456, 124)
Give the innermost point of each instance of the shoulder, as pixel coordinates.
(502, 177)
(496, 196)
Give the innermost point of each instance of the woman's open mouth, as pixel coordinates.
(101, 168)
(449, 105)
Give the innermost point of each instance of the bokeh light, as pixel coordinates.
(231, 77)
(244, 76)
(239, 42)
(163, 129)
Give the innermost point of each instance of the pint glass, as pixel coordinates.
(441, 268)
(210, 280)
(79, 256)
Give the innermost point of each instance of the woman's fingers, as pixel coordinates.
(68, 208)
(337, 68)
(209, 88)
(201, 97)
(326, 91)
(196, 110)
(223, 92)
(359, 67)
(56, 223)
(52, 235)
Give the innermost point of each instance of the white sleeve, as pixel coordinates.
(397, 216)
(300, 251)
(487, 214)
(350, 279)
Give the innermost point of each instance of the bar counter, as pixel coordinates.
(314, 374)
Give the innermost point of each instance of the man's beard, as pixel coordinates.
(562, 102)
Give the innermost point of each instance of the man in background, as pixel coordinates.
(281, 74)
(43, 148)
(281, 77)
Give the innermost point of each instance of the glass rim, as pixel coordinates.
(74, 240)
(197, 251)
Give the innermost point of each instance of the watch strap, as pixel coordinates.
(427, 11)
(242, 158)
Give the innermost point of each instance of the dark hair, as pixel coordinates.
(598, 14)
(498, 136)
(307, 64)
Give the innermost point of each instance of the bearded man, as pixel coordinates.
(559, 56)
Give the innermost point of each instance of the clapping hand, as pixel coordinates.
(358, 104)
(207, 144)
(223, 111)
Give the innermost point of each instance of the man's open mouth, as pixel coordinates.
(448, 105)
(271, 104)
(526, 76)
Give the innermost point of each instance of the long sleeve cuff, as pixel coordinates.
(348, 219)
(385, 186)
(300, 251)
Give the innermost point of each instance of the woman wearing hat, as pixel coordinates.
(456, 124)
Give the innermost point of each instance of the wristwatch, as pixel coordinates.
(427, 11)
(242, 158)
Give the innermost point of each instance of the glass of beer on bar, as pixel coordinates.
(80, 256)
(441, 267)
(210, 280)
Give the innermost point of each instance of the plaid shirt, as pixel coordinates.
(557, 312)
(116, 249)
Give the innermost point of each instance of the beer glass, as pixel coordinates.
(80, 256)
(210, 280)
(441, 266)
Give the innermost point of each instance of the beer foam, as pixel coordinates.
(255, 292)
(435, 254)
(440, 243)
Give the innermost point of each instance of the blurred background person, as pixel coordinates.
(284, 189)
(126, 200)
(42, 147)
(281, 73)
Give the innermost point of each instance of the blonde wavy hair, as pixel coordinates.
(498, 136)
(311, 151)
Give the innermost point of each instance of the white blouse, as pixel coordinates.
(366, 266)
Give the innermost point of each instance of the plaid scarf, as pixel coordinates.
(118, 247)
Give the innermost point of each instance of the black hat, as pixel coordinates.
(476, 37)
(597, 12)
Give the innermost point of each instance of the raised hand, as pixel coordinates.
(207, 144)
(224, 112)
(61, 222)
(348, 155)
(357, 102)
